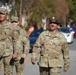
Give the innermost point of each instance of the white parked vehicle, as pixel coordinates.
(69, 34)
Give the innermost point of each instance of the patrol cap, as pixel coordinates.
(14, 19)
(53, 20)
(3, 11)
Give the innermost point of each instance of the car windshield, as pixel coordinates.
(74, 28)
(65, 30)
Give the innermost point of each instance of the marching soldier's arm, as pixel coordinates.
(15, 50)
(3, 36)
(37, 48)
(66, 55)
(26, 43)
(8, 29)
(2, 33)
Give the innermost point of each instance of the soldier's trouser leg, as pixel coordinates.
(1, 67)
(19, 68)
(8, 69)
(50, 71)
(55, 71)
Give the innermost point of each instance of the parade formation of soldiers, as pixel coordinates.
(51, 47)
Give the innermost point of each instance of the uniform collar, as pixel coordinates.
(53, 33)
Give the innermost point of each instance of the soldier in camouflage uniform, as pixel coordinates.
(51, 47)
(21, 46)
(2, 45)
(8, 50)
(15, 21)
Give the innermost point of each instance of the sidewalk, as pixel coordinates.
(28, 58)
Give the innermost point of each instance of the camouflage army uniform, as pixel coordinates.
(8, 49)
(21, 46)
(52, 47)
(2, 45)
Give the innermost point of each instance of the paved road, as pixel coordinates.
(34, 69)
(30, 69)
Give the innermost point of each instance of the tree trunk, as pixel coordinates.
(20, 10)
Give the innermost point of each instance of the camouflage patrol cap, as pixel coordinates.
(14, 19)
(3, 11)
(53, 20)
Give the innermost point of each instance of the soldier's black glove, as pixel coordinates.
(0, 58)
(12, 61)
(21, 60)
